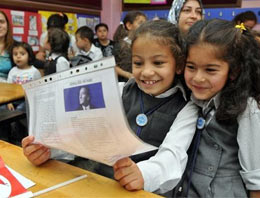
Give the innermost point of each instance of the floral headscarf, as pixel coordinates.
(175, 10)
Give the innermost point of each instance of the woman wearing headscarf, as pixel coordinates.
(185, 13)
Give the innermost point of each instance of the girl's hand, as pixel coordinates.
(36, 153)
(10, 107)
(128, 174)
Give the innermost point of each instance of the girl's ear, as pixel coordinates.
(129, 25)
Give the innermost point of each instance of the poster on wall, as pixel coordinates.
(88, 20)
(26, 26)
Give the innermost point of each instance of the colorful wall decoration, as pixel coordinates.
(26, 26)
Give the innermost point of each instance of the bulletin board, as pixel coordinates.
(26, 26)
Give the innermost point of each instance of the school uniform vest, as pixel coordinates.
(159, 122)
(216, 171)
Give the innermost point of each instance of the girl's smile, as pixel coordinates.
(205, 74)
(153, 65)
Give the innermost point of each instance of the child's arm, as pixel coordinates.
(248, 137)
(123, 73)
(10, 107)
(163, 171)
(128, 174)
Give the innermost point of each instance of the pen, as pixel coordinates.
(59, 185)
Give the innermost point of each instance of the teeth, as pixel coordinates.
(150, 82)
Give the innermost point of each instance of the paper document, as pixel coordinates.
(80, 111)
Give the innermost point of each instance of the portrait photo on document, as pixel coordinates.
(84, 97)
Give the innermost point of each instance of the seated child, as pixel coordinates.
(24, 71)
(84, 41)
(106, 45)
(58, 44)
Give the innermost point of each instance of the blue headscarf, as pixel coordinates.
(175, 10)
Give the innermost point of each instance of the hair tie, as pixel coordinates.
(241, 27)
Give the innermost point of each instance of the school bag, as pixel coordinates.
(50, 66)
(79, 60)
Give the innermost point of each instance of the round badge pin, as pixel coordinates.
(141, 119)
(200, 123)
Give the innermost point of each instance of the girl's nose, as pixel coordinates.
(148, 71)
(199, 77)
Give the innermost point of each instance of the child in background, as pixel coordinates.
(151, 100)
(84, 41)
(24, 71)
(122, 47)
(57, 20)
(223, 72)
(102, 41)
(58, 44)
(248, 18)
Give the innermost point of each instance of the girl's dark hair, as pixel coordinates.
(59, 41)
(122, 31)
(240, 50)
(9, 36)
(85, 32)
(245, 16)
(57, 21)
(165, 33)
(28, 48)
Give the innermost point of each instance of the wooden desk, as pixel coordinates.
(54, 172)
(10, 92)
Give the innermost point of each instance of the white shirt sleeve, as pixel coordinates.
(62, 64)
(163, 171)
(10, 75)
(248, 137)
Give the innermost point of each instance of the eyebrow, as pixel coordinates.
(191, 7)
(207, 65)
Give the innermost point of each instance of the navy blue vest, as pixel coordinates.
(159, 122)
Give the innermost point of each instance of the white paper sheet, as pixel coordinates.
(100, 133)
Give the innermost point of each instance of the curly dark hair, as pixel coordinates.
(240, 50)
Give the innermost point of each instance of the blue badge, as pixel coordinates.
(141, 119)
(200, 123)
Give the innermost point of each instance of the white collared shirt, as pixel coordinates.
(163, 171)
(94, 53)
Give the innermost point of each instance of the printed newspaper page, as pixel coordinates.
(80, 111)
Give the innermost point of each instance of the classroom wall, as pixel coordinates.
(111, 14)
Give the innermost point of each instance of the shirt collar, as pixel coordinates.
(91, 51)
(204, 104)
(173, 90)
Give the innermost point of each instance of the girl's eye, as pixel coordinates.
(158, 62)
(190, 67)
(137, 63)
(211, 70)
